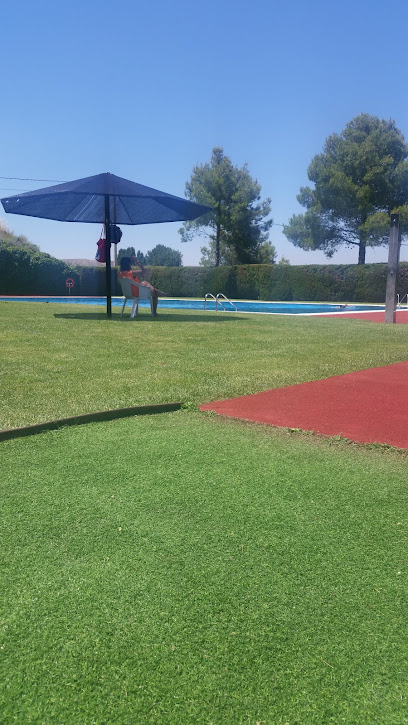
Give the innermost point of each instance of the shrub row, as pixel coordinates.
(34, 273)
(334, 283)
(26, 272)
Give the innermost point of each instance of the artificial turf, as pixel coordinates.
(181, 569)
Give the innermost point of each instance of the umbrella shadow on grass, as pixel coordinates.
(141, 318)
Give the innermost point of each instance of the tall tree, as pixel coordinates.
(266, 253)
(360, 178)
(162, 256)
(237, 226)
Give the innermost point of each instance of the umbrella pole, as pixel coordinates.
(108, 259)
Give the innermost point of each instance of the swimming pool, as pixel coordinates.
(277, 308)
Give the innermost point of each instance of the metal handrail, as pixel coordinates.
(205, 300)
(219, 295)
(217, 300)
(400, 300)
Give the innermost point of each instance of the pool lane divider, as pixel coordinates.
(96, 417)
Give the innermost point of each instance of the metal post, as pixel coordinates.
(392, 273)
(108, 258)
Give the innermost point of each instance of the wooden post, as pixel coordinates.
(108, 258)
(392, 273)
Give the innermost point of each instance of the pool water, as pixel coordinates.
(291, 308)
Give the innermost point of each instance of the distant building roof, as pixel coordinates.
(82, 262)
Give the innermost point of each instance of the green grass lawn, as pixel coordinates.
(180, 568)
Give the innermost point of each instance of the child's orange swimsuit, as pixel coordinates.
(136, 277)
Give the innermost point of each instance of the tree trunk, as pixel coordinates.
(362, 251)
(217, 245)
(362, 242)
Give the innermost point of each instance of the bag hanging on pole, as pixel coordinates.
(100, 255)
(115, 234)
(115, 237)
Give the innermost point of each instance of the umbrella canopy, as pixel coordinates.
(83, 200)
(104, 198)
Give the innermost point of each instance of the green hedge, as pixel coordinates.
(334, 283)
(92, 281)
(23, 272)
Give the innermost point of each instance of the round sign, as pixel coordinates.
(69, 282)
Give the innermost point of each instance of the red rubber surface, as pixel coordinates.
(369, 406)
(401, 316)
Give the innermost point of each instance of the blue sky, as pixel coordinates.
(146, 90)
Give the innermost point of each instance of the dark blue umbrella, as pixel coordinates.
(106, 199)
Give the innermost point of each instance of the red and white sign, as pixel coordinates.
(69, 282)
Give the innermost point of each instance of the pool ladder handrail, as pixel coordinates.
(401, 299)
(217, 300)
